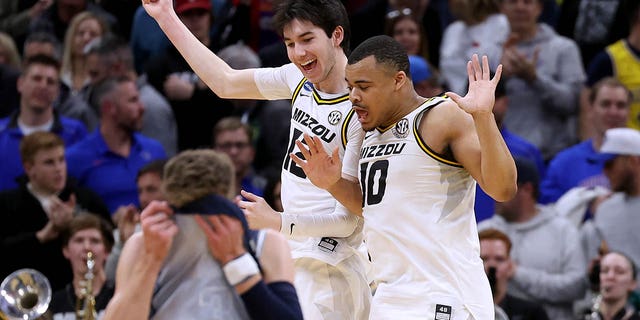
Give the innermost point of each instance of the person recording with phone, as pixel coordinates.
(35, 214)
(494, 251)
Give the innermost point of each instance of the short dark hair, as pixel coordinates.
(155, 166)
(42, 59)
(45, 37)
(326, 14)
(111, 49)
(103, 88)
(85, 221)
(385, 50)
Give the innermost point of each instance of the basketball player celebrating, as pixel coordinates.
(324, 238)
(419, 164)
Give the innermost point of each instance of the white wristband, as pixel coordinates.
(240, 268)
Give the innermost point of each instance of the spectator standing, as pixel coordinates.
(111, 56)
(479, 29)
(197, 109)
(622, 61)
(544, 74)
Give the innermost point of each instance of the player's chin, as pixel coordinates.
(367, 127)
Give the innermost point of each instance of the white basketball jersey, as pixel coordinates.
(331, 118)
(419, 224)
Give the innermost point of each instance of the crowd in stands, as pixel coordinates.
(94, 99)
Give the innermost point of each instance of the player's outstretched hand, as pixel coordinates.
(481, 95)
(258, 213)
(322, 169)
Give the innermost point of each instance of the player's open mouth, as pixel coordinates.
(307, 66)
(362, 115)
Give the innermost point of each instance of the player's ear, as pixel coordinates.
(337, 36)
(401, 79)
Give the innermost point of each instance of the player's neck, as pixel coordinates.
(402, 109)
(410, 102)
(335, 81)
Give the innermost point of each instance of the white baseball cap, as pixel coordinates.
(621, 141)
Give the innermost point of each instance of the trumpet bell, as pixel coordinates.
(25, 294)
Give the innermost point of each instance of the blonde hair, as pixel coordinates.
(36, 142)
(67, 54)
(10, 50)
(193, 174)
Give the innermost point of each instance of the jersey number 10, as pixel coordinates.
(373, 181)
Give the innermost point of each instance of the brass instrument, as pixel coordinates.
(24, 294)
(86, 302)
(594, 313)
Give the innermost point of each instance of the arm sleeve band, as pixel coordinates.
(277, 300)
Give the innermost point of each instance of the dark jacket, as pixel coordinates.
(22, 217)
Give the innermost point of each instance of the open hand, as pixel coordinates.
(322, 169)
(481, 95)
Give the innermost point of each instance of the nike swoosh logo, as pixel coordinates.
(291, 228)
(304, 95)
(368, 136)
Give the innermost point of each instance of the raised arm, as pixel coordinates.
(476, 141)
(222, 79)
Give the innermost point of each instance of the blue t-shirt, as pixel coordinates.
(111, 176)
(576, 166)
